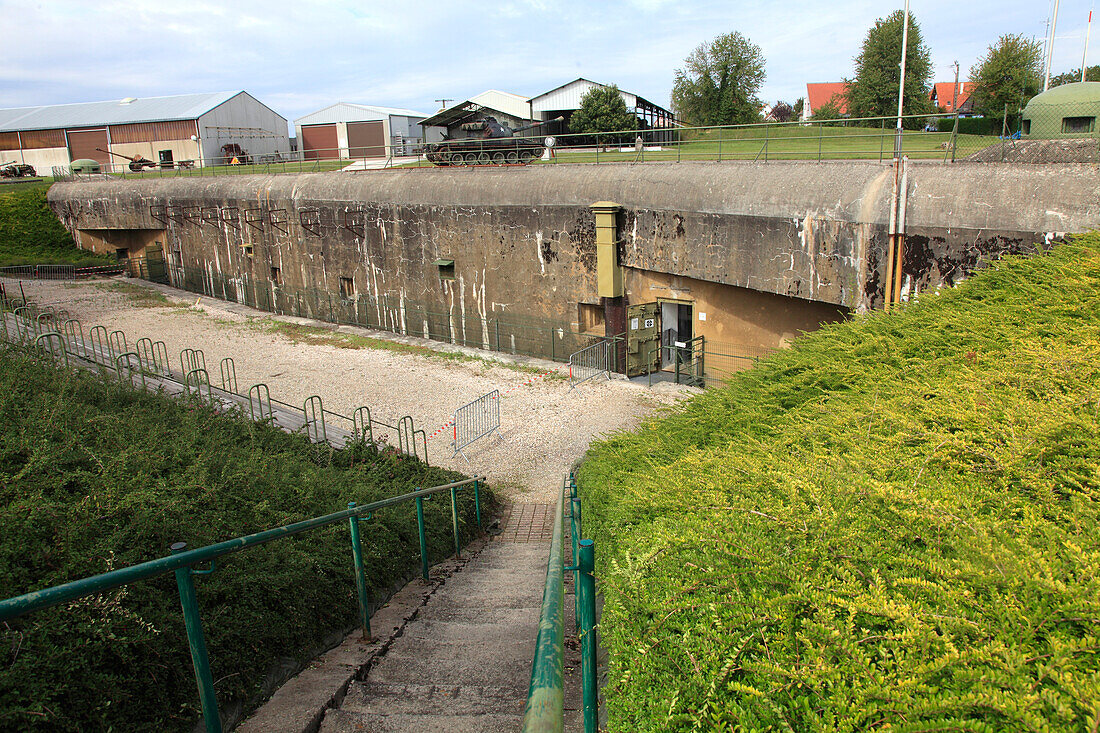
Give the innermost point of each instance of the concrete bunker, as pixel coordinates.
(544, 259)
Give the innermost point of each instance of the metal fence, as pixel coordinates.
(23, 322)
(590, 362)
(542, 338)
(475, 420)
(60, 272)
(931, 136)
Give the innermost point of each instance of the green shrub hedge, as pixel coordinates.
(30, 234)
(892, 525)
(96, 476)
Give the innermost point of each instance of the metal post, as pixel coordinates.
(360, 576)
(477, 504)
(454, 522)
(423, 538)
(199, 658)
(589, 693)
(575, 531)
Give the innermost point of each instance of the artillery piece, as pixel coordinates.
(496, 144)
(136, 164)
(15, 169)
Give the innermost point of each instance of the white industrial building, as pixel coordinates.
(346, 130)
(563, 101)
(509, 109)
(187, 129)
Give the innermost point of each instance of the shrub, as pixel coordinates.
(96, 476)
(892, 525)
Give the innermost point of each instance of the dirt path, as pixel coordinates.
(545, 426)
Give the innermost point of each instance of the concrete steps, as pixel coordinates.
(464, 663)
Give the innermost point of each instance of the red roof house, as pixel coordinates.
(818, 95)
(943, 95)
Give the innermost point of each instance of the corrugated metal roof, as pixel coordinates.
(568, 96)
(115, 112)
(351, 112)
(475, 106)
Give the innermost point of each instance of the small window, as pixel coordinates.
(1077, 124)
(446, 269)
(347, 287)
(247, 250)
(276, 276)
(1026, 127)
(122, 253)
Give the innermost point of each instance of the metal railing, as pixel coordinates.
(104, 349)
(182, 563)
(546, 695)
(61, 272)
(590, 362)
(475, 420)
(930, 136)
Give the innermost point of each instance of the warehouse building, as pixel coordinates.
(563, 101)
(181, 130)
(509, 109)
(346, 130)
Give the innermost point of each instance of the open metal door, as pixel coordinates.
(643, 339)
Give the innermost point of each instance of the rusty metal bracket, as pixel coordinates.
(354, 221)
(209, 215)
(310, 220)
(159, 212)
(278, 219)
(175, 213)
(255, 218)
(231, 215)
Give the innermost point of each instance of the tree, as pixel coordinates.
(781, 112)
(874, 90)
(1011, 72)
(796, 113)
(602, 110)
(1070, 77)
(720, 82)
(831, 110)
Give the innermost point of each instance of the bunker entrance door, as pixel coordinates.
(643, 339)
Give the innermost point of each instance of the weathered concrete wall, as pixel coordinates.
(523, 239)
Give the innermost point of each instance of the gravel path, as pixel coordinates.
(545, 426)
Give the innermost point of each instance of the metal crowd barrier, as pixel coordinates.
(590, 362)
(475, 420)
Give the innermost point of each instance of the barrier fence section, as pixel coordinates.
(150, 359)
(590, 362)
(475, 420)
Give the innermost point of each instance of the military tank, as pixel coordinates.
(489, 143)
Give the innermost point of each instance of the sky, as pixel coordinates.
(298, 57)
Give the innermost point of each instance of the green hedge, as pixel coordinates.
(892, 525)
(971, 125)
(95, 476)
(30, 234)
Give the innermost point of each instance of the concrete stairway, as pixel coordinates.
(464, 663)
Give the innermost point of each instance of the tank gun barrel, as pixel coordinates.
(127, 157)
(533, 125)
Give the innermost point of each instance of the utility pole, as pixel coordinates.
(443, 103)
(955, 109)
(901, 84)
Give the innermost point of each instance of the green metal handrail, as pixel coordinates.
(182, 562)
(546, 696)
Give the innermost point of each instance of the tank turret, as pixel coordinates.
(488, 143)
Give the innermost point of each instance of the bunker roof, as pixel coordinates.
(1082, 92)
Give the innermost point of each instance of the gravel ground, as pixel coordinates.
(545, 426)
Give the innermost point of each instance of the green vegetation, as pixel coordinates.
(96, 476)
(30, 234)
(890, 526)
(1010, 73)
(140, 296)
(720, 82)
(873, 91)
(602, 110)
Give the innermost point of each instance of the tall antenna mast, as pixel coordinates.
(901, 83)
(1050, 47)
(1088, 31)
